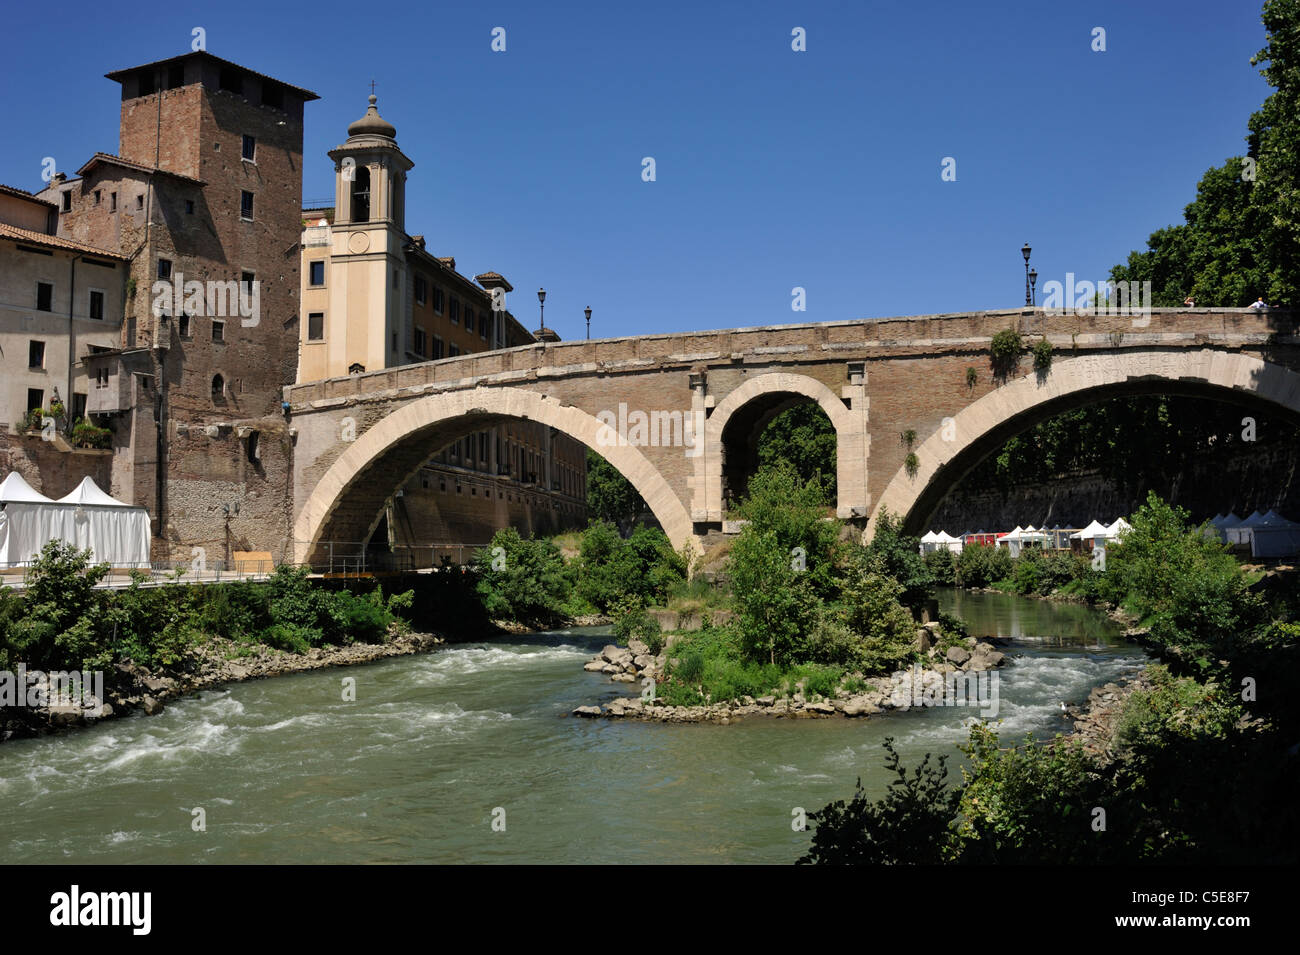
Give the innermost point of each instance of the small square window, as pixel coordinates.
(44, 296)
(246, 280)
(164, 268)
(36, 354)
(189, 207)
(437, 300)
(316, 327)
(67, 200)
(184, 326)
(35, 399)
(97, 305)
(419, 342)
(249, 151)
(246, 205)
(139, 201)
(421, 290)
(97, 196)
(317, 272)
(218, 331)
(112, 202)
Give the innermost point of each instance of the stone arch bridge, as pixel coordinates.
(679, 414)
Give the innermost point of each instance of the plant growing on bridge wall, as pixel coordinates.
(1004, 352)
(972, 377)
(911, 464)
(1042, 355)
(908, 438)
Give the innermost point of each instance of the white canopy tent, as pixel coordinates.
(1090, 535)
(928, 540)
(1118, 529)
(87, 518)
(948, 542)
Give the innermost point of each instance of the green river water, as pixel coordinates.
(437, 746)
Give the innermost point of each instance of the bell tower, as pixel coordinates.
(368, 287)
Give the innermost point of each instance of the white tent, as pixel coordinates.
(15, 489)
(928, 542)
(1118, 529)
(87, 518)
(1090, 536)
(946, 541)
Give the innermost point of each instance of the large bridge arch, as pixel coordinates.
(393, 449)
(959, 443)
(850, 433)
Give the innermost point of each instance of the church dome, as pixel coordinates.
(372, 124)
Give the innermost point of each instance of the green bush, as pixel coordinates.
(941, 565)
(87, 435)
(525, 580)
(1004, 352)
(900, 558)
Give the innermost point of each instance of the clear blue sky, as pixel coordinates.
(775, 169)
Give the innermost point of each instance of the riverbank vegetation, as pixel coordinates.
(62, 622)
(1199, 766)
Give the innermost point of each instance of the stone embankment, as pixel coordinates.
(923, 686)
(129, 687)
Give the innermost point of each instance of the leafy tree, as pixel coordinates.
(804, 437)
(521, 579)
(1187, 586)
(60, 610)
(900, 556)
(796, 512)
(610, 496)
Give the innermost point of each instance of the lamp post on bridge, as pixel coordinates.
(1031, 278)
(541, 300)
(587, 312)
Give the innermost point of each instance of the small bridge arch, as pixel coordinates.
(771, 388)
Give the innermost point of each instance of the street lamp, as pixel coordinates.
(587, 312)
(541, 299)
(1033, 283)
(1029, 295)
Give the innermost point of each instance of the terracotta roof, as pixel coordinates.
(496, 278)
(119, 75)
(39, 238)
(24, 194)
(111, 160)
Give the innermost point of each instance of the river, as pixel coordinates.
(437, 748)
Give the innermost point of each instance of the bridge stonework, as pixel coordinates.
(359, 438)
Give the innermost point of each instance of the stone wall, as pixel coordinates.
(51, 467)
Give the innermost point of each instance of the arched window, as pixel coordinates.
(218, 388)
(361, 194)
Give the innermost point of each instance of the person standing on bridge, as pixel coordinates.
(1259, 303)
(1189, 302)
